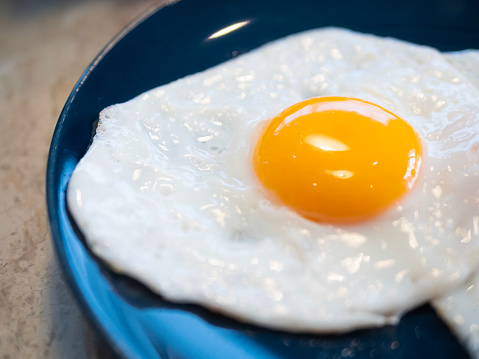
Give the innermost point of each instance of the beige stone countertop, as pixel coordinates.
(45, 45)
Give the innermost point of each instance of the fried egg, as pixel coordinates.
(192, 187)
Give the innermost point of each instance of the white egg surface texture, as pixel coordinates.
(167, 192)
(460, 307)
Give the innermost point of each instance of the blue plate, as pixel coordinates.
(171, 42)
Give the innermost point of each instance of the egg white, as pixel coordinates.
(167, 194)
(460, 307)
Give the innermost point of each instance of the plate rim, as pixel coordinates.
(119, 348)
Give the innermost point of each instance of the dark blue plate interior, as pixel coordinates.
(171, 42)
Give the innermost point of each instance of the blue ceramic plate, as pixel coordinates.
(171, 42)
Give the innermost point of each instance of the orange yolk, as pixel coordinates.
(337, 159)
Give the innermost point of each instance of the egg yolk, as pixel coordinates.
(337, 159)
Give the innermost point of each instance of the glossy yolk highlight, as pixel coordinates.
(337, 159)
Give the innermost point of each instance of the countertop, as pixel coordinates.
(45, 45)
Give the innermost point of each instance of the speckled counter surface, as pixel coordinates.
(44, 47)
